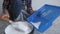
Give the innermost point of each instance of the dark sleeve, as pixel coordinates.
(29, 6)
(5, 4)
(29, 2)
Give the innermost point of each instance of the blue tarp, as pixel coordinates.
(46, 15)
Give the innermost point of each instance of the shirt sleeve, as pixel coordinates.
(29, 6)
(29, 2)
(5, 4)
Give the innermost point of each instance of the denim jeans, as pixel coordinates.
(14, 9)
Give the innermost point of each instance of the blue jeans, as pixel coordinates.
(14, 9)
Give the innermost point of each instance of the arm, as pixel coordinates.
(29, 2)
(5, 11)
(5, 6)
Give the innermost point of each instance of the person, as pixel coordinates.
(12, 13)
(13, 8)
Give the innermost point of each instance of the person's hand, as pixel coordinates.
(5, 17)
(32, 11)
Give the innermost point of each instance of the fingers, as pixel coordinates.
(4, 18)
(32, 11)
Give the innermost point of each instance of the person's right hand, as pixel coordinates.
(4, 17)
